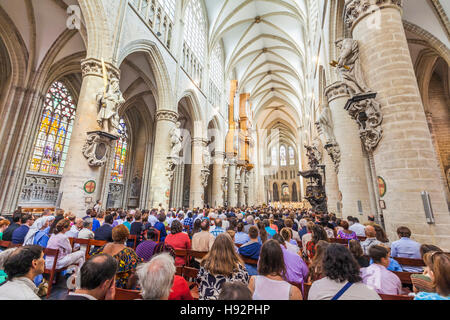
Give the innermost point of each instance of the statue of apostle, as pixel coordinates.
(109, 103)
(349, 66)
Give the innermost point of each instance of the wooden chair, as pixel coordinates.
(340, 241)
(84, 242)
(123, 294)
(405, 277)
(158, 233)
(53, 272)
(5, 244)
(410, 262)
(248, 260)
(15, 245)
(195, 254)
(395, 297)
(134, 238)
(306, 287)
(238, 245)
(182, 253)
(95, 243)
(299, 243)
(179, 271)
(190, 274)
(360, 238)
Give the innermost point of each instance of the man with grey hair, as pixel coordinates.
(156, 277)
(86, 232)
(250, 222)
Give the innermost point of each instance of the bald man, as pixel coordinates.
(371, 239)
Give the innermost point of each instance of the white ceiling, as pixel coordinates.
(267, 58)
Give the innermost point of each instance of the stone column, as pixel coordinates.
(251, 188)
(197, 190)
(77, 170)
(217, 193)
(232, 195)
(405, 157)
(160, 183)
(352, 179)
(331, 184)
(241, 196)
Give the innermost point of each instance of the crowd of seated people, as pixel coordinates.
(259, 253)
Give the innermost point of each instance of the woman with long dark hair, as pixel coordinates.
(342, 279)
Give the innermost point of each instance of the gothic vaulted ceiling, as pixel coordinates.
(265, 46)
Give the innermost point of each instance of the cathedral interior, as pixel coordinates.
(235, 103)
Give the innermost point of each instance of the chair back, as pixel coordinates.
(405, 277)
(179, 271)
(158, 233)
(197, 254)
(123, 294)
(395, 297)
(181, 253)
(81, 242)
(133, 237)
(248, 260)
(238, 245)
(5, 244)
(337, 240)
(410, 262)
(360, 238)
(51, 253)
(190, 273)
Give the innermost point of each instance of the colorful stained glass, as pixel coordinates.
(120, 154)
(53, 137)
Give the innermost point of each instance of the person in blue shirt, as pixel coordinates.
(19, 234)
(241, 237)
(251, 250)
(269, 230)
(438, 269)
(406, 248)
(160, 226)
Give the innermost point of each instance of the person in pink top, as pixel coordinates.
(178, 240)
(377, 276)
(346, 233)
(60, 241)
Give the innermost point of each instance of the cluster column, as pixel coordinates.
(81, 182)
(405, 157)
(352, 179)
(217, 193)
(232, 195)
(160, 183)
(197, 189)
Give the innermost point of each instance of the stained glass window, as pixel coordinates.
(120, 154)
(52, 142)
(291, 156)
(274, 157)
(283, 156)
(194, 30)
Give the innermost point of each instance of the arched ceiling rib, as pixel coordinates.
(265, 50)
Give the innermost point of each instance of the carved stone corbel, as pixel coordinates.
(97, 147)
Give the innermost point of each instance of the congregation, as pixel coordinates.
(250, 253)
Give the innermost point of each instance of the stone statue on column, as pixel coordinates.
(175, 147)
(362, 105)
(109, 101)
(324, 127)
(349, 67)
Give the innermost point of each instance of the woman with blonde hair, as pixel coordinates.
(221, 264)
(438, 269)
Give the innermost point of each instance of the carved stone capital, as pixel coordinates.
(167, 115)
(336, 90)
(93, 67)
(367, 113)
(356, 10)
(97, 148)
(200, 142)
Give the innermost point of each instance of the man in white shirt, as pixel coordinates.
(75, 229)
(22, 266)
(357, 228)
(152, 218)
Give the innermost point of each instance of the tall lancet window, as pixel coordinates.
(120, 154)
(52, 142)
(283, 162)
(274, 157)
(194, 29)
(291, 156)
